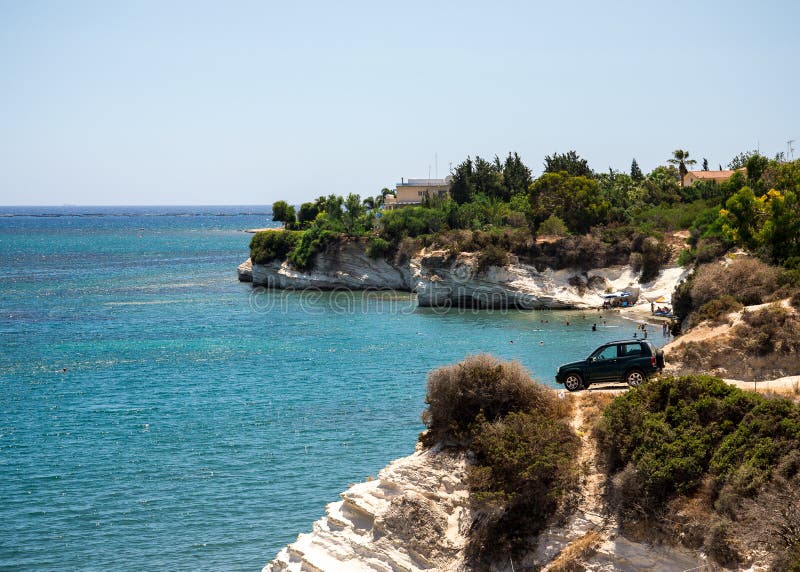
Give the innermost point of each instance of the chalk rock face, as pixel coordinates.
(413, 517)
(342, 265)
(443, 280)
(458, 282)
(245, 271)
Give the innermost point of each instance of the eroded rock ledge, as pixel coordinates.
(413, 517)
(440, 279)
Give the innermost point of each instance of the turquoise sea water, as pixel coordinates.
(201, 425)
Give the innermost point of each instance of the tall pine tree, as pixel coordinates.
(636, 172)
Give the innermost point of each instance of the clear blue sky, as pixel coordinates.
(172, 102)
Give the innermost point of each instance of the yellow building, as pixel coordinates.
(716, 176)
(413, 191)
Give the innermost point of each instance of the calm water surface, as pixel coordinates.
(199, 424)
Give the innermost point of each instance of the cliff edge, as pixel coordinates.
(441, 279)
(413, 517)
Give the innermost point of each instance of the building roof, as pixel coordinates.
(712, 174)
(425, 182)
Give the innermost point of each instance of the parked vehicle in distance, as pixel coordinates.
(631, 361)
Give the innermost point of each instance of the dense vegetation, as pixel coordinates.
(524, 450)
(675, 440)
(503, 207)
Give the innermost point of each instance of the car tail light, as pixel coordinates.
(652, 361)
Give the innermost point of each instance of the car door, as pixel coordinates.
(603, 365)
(630, 355)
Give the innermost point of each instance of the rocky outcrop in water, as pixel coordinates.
(344, 264)
(437, 279)
(245, 271)
(442, 280)
(413, 517)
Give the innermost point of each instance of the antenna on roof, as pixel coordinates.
(791, 149)
(436, 161)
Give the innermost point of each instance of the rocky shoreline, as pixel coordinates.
(415, 517)
(440, 279)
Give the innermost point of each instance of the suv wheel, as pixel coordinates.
(634, 377)
(573, 382)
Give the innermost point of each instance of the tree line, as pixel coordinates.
(757, 208)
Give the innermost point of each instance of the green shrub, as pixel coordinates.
(682, 303)
(678, 431)
(270, 245)
(654, 255)
(524, 453)
(492, 255)
(524, 465)
(670, 217)
(553, 226)
(312, 241)
(686, 257)
(789, 278)
(717, 310)
(410, 222)
(378, 247)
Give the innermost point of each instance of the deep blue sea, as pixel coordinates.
(156, 414)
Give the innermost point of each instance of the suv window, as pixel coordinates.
(633, 349)
(609, 352)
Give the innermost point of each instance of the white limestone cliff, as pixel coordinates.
(413, 518)
(342, 265)
(440, 279)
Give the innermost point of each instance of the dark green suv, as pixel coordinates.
(632, 361)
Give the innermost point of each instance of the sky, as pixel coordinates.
(172, 102)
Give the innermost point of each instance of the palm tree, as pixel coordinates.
(681, 158)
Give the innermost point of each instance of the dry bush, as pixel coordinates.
(453, 241)
(578, 283)
(772, 519)
(593, 405)
(708, 250)
(748, 280)
(457, 394)
(720, 544)
(407, 249)
(491, 255)
(524, 453)
(770, 330)
(570, 559)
